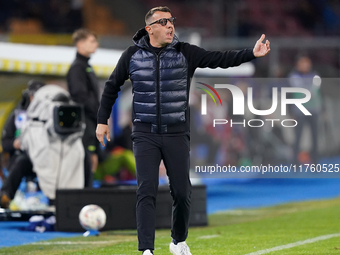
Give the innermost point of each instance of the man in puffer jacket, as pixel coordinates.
(160, 69)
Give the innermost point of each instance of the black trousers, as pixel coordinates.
(21, 167)
(312, 121)
(149, 149)
(91, 145)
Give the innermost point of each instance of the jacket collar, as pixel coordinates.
(141, 39)
(82, 57)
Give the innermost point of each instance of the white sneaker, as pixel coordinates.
(147, 252)
(180, 249)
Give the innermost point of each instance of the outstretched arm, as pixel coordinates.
(199, 57)
(261, 49)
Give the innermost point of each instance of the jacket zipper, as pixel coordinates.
(158, 101)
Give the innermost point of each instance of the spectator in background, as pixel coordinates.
(19, 164)
(84, 89)
(12, 129)
(304, 77)
(308, 14)
(75, 13)
(331, 16)
(246, 27)
(52, 133)
(6, 11)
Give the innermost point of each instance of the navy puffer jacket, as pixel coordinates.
(159, 84)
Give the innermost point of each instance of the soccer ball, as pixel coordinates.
(92, 217)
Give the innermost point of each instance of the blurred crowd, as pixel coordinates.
(56, 16)
(214, 18)
(289, 18)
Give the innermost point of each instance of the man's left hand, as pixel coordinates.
(261, 49)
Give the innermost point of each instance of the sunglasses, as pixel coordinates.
(164, 21)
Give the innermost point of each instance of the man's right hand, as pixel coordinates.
(101, 131)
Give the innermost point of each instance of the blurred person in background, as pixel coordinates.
(119, 164)
(84, 89)
(303, 76)
(53, 140)
(160, 68)
(52, 133)
(19, 164)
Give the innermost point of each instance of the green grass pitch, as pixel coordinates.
(229, 232)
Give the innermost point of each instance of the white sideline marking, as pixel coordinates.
(208, 237)
(291, 245)
(69, 242)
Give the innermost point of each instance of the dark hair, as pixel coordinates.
(156, 9)
(34, 85)
(81, 34)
